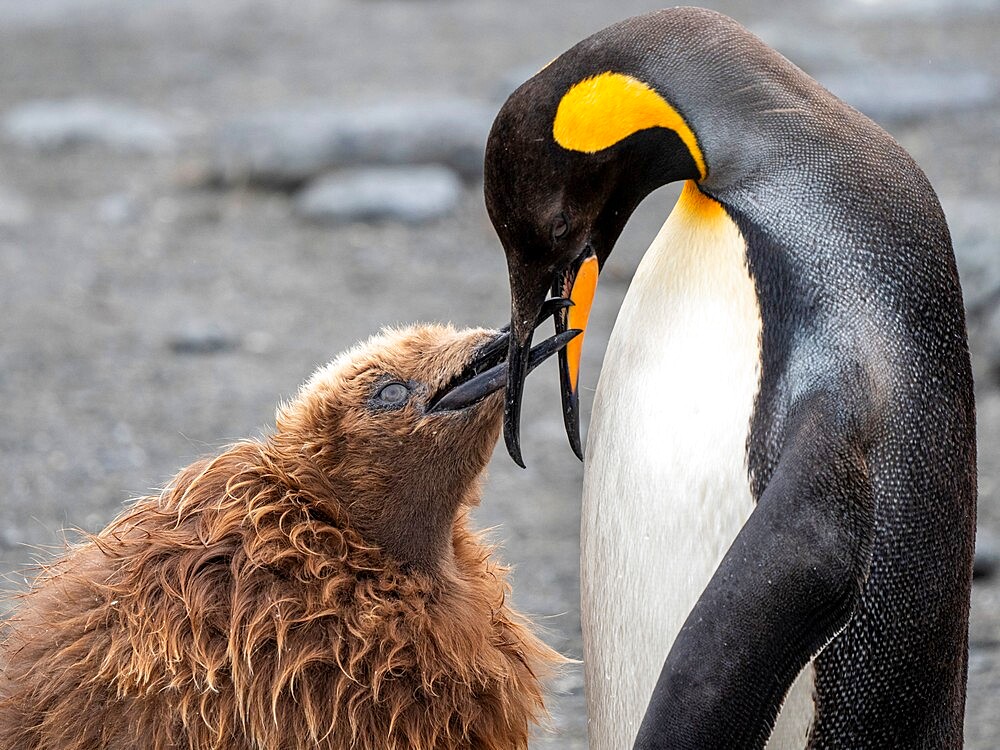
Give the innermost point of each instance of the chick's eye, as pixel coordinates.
(393, 393)
(560, 226)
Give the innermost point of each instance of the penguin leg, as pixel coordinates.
(788, 584)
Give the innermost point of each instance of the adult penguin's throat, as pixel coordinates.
(577, 283)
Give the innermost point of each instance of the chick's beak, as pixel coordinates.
(486, 372)
(576, 284)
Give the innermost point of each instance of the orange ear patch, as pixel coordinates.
(598, 112)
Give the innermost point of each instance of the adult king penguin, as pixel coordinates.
(781, 462)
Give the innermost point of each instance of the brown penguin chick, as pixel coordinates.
(319, 588)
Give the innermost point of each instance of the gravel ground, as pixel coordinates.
(152, 310)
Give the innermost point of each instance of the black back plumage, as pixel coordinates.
(860, 298)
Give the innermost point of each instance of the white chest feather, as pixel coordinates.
(666, 486)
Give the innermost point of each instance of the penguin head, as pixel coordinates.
(571, 154)
(400, 428)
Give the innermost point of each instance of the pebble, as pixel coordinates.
(50, 125)
(118, 209)
(412, 195)
(288, 147)
(202, 338)
(987, 560)
(894, 95)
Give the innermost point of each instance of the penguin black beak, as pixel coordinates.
(575, 289)
(528, 292)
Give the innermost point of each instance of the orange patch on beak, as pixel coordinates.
(582, 295)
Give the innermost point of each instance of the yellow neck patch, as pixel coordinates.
(696, 208)
(598, 112)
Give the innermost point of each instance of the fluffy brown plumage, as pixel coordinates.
(317, 588)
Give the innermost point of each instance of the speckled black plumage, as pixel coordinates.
(895, 678)
(861, 447)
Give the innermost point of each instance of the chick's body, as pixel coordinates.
(318, 588)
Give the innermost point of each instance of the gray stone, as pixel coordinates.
(987, 560)
(408, 194)
(202, 338)
(288, 147)
(118, 209)
(893, 95)
(52, 125)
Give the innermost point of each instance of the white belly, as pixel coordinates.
(666, 486)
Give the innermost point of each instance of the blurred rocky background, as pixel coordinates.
(203, 200)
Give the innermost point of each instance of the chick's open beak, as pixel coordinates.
(577, 284)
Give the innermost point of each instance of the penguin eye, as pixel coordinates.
(560, 227)
(393, 394)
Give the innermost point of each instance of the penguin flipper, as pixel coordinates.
(788, 584)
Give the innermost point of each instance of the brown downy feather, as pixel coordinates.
(318, 588)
